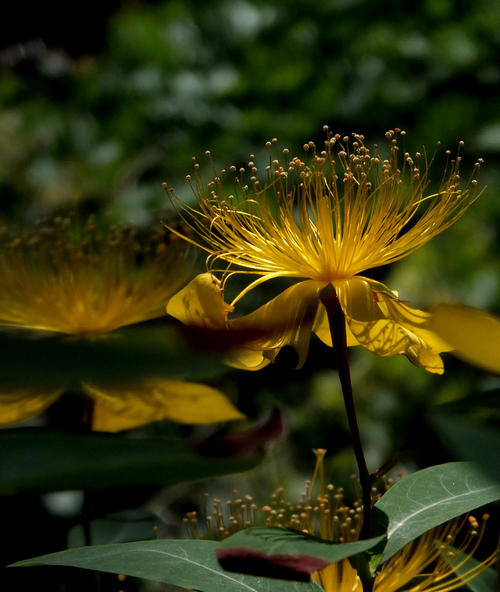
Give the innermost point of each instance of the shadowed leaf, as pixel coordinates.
(49, 460)
(187, 563)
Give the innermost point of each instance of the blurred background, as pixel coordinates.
(99, 105)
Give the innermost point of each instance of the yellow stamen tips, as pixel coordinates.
(78, 279)
(328, 216)
(325, 515)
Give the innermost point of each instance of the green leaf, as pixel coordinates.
(275, 540)
(432, 496)
(129, 354)
(486, 581)
(49, 460)
(187, 563)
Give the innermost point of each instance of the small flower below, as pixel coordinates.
(441, 560)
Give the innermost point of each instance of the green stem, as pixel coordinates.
(336, 321)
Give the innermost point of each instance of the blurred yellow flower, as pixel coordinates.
(339, 212)
(473, 334)
(84, 281)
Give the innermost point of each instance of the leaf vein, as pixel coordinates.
(398, 525)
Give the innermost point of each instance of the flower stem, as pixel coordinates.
(336, 321)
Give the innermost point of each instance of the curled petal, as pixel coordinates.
(287, 319)
(200, 303)
(21, 404)
(387, 326)
(474, 334)
(122, 407)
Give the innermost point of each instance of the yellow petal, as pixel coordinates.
(124, 407)
(285, 320)
(22, 404)
(200, 303)
(386, 326)
(474, 334)
(251, 359)
(338, 577)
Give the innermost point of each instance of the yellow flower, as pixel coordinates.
(325, 219)
(86, 282)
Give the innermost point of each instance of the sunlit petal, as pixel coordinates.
(386, 326)
(21, 404)
(123, 407)
(474, 335)
(287, 319)
(200, 303)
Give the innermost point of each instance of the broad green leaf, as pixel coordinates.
(432, 496)
(187, 563)
(486, 581)
(470, 440)
(275, 540)
(49, 460)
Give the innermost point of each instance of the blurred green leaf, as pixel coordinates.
(28, 359)
(120, 527)
(429, 497)
(49, 460)
(291, 542)
(192, 564)
(489, 399)
(470, 440)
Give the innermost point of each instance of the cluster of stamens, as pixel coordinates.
(325, 514)
(336, 211)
